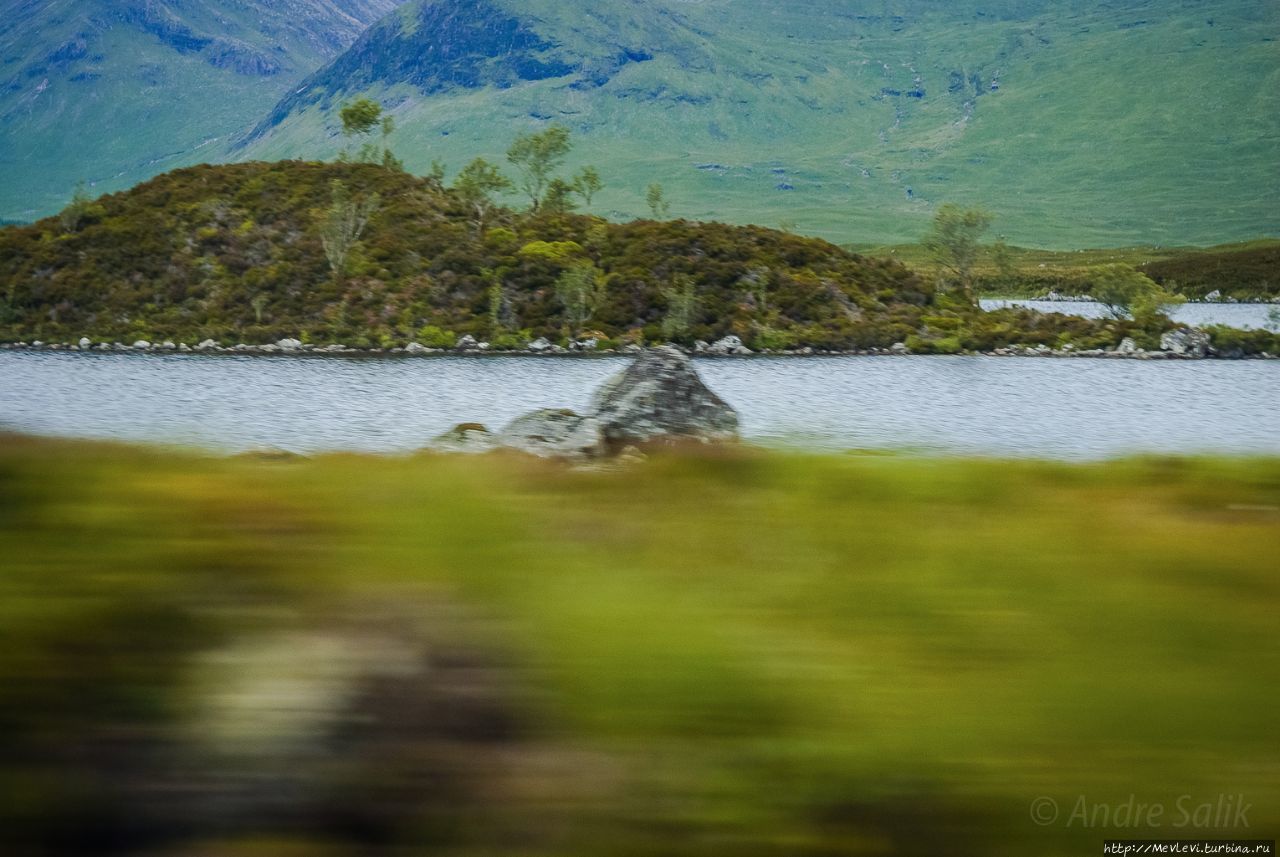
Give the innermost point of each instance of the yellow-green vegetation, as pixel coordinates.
(731, 653)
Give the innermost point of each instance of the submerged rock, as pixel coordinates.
(1185, 340)
(660, 398)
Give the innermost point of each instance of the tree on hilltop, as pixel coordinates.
(953, 242)
(537, 156)
(361, 119)
(476, 185)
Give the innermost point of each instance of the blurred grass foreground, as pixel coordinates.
(733, 653)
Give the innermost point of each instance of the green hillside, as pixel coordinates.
(111, 92)
(1078, 124)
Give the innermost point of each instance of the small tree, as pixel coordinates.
(1124, 291)
(657, 201)
(501, 315)
(587, 184)
(476, 185)
(360, 120)
(537, 156)
(78, 211)
(559, 197)
(579, 289)
(343, 225)
(953, 242)
(436, 173)
(682, 306)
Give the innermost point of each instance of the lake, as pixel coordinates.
(1042, 407)
(1197, 315)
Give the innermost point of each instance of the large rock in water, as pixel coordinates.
(554, 433)
(1186, 340)
(660, 398)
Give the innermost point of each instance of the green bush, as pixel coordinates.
(433, 337)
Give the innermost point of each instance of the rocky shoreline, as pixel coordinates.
(1213, 298)
(1184, 343)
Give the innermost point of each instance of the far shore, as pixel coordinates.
(336, 350)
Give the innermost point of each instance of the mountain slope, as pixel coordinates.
(1138, 121)
(115, 91)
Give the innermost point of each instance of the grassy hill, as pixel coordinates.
(1079, 124)
(237, 253)
(112, 92)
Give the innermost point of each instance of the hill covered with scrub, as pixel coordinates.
(245, 253)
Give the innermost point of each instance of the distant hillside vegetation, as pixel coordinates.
(1250, 270)
(1080, 124)
(112, 92)
(238, 253)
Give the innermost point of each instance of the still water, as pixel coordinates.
(1256, 316)
(1044, 407)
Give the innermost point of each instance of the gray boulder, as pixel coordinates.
(465, 438)
(1127, 346)
(660, 398)
(140, 345)
(554, 433)
(466, 343)
(728, 345)
(289, 344)
(1185, 340)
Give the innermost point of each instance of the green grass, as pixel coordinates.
(1103, 132)
(740, 653)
